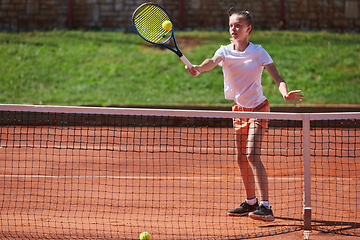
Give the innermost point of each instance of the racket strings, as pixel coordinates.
(148, 22)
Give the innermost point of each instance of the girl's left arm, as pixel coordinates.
(281, 84)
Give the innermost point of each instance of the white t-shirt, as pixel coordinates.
(242, 73)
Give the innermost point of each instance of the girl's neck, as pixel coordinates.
(241, 45)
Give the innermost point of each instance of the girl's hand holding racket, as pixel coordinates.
(193, 70)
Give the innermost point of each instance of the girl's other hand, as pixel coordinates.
(294, 96)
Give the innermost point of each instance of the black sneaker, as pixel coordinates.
(244, 209)
(262, 213)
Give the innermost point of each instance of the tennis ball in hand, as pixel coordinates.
(167, 25)
(144, 236)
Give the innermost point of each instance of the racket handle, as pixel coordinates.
(188, 64)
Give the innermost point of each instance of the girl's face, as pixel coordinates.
(238, 27)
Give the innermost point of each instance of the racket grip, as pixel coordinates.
(188, 63)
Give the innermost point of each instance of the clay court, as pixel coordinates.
(175, 182)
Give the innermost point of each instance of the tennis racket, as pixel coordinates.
(148, 21)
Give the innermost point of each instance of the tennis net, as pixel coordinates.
(85, 172)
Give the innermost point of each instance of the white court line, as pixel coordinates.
(109, 177)
(127, 148)
(168, 178)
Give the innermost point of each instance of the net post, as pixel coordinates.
(307, 174)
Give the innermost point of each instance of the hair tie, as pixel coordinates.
(228, 11)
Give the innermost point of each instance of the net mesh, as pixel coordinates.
(335, 150)
(148, 20)
(114, 173)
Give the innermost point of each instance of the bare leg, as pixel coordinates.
(253, 155)
(253, 173)
(245, 168)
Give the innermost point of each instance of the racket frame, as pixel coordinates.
(171, 37)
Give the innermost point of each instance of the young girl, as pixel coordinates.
(243, 64)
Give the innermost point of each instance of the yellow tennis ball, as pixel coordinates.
(167, 25)
(144, 236)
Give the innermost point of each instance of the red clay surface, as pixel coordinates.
(174, 183)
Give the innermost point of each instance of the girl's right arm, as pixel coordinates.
(207, 65)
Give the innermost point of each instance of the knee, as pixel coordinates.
(252, 156)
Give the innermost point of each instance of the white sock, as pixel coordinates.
(251, 201)
(265, 204)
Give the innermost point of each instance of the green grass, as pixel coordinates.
(117, 68)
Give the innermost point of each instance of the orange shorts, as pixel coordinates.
(240, 123)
